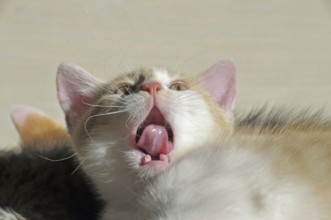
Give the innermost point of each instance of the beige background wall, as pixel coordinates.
(282, 47)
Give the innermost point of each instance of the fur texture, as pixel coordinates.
(44, 185)
(260, 173)
(9, 214)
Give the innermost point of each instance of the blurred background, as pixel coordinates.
(282, 47)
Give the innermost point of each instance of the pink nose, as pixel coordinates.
(152, 88)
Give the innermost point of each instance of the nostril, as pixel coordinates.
(152, 88)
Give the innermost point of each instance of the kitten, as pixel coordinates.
(160, 145)
(44, 181)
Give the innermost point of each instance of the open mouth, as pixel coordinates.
(154, 138)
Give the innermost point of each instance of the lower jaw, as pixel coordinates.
(162, 158)
(154, 167)
(156, 164)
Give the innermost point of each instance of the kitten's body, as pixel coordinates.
(270, 174)
(202, 170)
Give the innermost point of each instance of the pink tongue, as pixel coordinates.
(154, 140)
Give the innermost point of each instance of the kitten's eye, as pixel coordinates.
(178, 86)
(124, 89)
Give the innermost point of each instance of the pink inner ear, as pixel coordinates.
(220, 81)
(20, 113)
(76, 91)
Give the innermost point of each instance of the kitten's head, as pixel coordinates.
(146, 120)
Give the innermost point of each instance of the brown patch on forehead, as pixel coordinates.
(136, 77)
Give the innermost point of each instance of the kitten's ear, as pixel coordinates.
(37, 130)
(76, 91)
(220, 81)
(22, 113)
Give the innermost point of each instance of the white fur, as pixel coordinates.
(229, 183)
(9, 214)
(226, 182)
(160, 75)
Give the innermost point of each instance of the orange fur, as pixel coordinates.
(34, 128)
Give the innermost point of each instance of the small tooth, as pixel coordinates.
(164, 158)
(146, 159)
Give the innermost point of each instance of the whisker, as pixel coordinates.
(124, 60)
(127, 121)
(79, 166)
(102, 106)
(199, 51)
(98, 115)
(57, 160)
(138, 114)
(180, 52)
